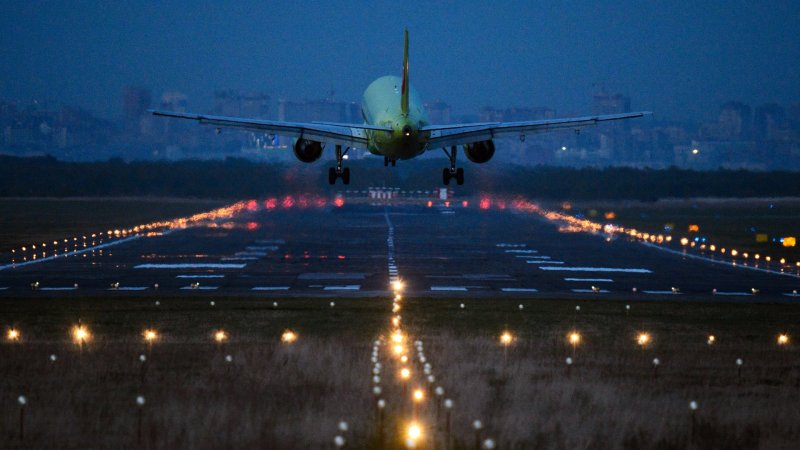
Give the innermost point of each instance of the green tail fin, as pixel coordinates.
(404, 90)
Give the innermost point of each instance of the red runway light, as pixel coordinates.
(252, 205)
(271, 203)
(485, 203)
(320, 202)
(288, 201)
(430, 203)
(339, 202)
(465, 203)
(340, 257)
(252, 226)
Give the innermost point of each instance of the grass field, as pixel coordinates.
(730, 223)
(29, 221)
(276, 395)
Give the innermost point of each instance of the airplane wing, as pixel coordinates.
(459, 134)
(349, 135)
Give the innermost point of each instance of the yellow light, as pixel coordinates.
(398, 297)
(395, 308)
(404, 359)
(397, 286)
(789, 241)
(734, 252)
(396, 321)
(506, 338)
(574, 338)
(643, 339)
(397, 337)
(419, 395)
(80, 334)
(694, 228)
(13, 334)
(405, 373)
(414, 431)
(288, 337)
(684, 241)
(712, 247)
(220, 336)
(712, 339)
(150, 335)
(399, 350)
(783, 339)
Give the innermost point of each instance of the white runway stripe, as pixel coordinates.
(200, 288)
(532, 257)
(449, 288)
(349, 287)
(521, 251)
(66, 288)
(589, 291)
(237, 258)
(657, 292)
(544, 262)
(190, 266)
(199, 276)
(519, 290)
(271, 288)
(735, 294)
(128, 288)
(591, 280)
(596, 269)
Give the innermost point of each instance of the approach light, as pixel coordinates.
(419, 395)
(397, 286)
(220, 336)
(13, 334)
(783, 339)
(414, 431)
(288, 337)
(574, 338)
(506, 338)
(711, 339)
(397, 337)
(643, 339)
(80, 334)
(405, 373)
(150, 335)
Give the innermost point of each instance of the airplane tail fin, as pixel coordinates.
(404, 90)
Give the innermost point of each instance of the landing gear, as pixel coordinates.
(338, 171)
(386, 161)
(452, 172)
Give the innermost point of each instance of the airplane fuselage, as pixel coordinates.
(381, 106)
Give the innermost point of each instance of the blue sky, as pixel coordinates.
(680, 59)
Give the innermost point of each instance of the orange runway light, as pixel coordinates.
(506, 338)
(643, 339)
(81, 334)
(150, 335)
(783, 339)
(13, 334)
(288, 337)
(220, 336)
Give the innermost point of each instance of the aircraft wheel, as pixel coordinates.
(394, 162)
(446, 176)
(346, 175)
(332, 176)
(385, 161)
(460, 176)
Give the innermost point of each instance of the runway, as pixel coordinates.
(356, 250)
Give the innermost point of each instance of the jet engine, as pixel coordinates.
(479, 152)
(307, 151)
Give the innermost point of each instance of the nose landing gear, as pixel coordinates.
(452, 172)
(386, 161)
(338, 171)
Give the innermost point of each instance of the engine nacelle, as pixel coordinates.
(307, 151)
(479, 152)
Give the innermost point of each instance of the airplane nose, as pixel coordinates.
(407, 130)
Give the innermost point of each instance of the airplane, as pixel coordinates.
(397, 128)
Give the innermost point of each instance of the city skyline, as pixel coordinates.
(680, 60)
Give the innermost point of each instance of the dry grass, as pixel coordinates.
(277, 396)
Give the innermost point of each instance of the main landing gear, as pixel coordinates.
(338, 171)
(386, 161)
(452, 172)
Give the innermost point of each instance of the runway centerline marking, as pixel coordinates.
(200, 288)
(521, 251)
(532, 257)
(594, 280)
(519, 290)
(661, 292)
(128, 288)
(65, 288)
(190, 266)
(590, 291)
(735, 294)
(544, 262)
(594, 269)
(271, 288)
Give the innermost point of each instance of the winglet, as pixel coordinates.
(404, 90)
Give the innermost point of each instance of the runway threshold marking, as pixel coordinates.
(519, 290)
(271, 288)
(593, 280)
(449, 288)
(590, 291)
(594, 269)
(191, 276)
(190, 266)
(349, 287)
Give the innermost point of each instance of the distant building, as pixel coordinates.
(769, 122)
(232, 103)
(135, 103)
(313, 111)
(612, 140)
(438, 112)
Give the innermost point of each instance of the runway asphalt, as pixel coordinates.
(347, 251)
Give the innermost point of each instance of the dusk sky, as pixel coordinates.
(680, 59)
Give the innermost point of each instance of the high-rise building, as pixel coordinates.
(438, 112)
(233, 103)
(313, 111)
(768, 121)
(135, 103)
